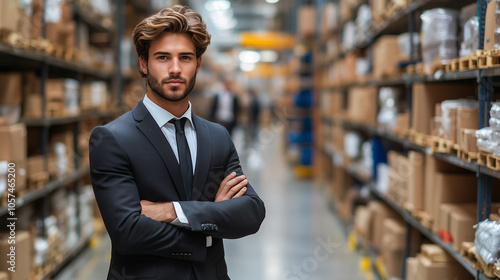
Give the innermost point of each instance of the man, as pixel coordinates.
(168, 183)
(225, 106)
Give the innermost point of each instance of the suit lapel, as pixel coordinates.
(202, 158)
(148, 127)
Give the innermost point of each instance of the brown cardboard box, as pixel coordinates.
(36, 19)
(346, 11)
(451, 188)
(306, 20)
(363, 222)
(337, 104)
(21, 175)
(4, 275)
(430, 270)
(412, 268)
(14, 143)
(380, 212)
(425, 98)
(36, 164)
(386, 55)
(415, 198)
(22, 254)
(435, 166)
(329, 19)
(341, 183)
(362, 105)
(436, 254)
(490, 38)
(446, 210)
(55, 89)
(462, 224)
(451, 134)
(402, 124)
(11, 88)
(9, 14)
(32, 106)
(378, 7)
(393, 261)
(468, 140)
(467, 118)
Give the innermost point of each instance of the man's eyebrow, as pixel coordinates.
(167, 53)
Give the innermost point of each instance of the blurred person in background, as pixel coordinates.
(168, 183)
(226, 106)
(255, 108)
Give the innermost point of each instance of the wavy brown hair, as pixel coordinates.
(177, 19)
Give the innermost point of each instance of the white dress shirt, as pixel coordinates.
(162, 118)
(225, 107)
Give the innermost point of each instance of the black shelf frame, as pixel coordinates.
(46, 122)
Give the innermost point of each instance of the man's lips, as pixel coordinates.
(174, 83)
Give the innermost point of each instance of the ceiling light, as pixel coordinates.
(247, 67)
(249, 57)
(268, 56)
(217, 5)
(272, 1)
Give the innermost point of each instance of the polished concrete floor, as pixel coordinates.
(300, 239)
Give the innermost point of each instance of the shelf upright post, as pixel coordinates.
(118, 77)
(44, 75)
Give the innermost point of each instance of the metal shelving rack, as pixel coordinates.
(483, 79)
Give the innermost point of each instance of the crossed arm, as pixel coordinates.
(231, 187)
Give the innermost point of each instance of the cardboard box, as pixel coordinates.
(467, 118)
(4, 275)
(425, 98)
(386, 56)
(32, 106)
(11, 88)
(431, 270)
(451, 133)
(415, 197)
(412, 268)
(306, 20)
(490, 37)
(21, 175)
(329, 19)
(341, 183)
(452, 188)
(462, 224)
(36, 19)
(55, 89)
(346, 11)
(378, 7)
(22, 252)
(446, 210)
(9, 14)
(468, 140)
(36, 164)
(363, 222)
(402, 125)
(363, 105)
(436, 254)
(14, 143)
(380, 212)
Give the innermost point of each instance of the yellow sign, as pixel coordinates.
(267, 40)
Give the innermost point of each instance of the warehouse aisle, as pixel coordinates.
(300, 238)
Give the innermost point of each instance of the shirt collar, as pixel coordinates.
(162, 116)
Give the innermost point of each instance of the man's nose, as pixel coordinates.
(175, 67)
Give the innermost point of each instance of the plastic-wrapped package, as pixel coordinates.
(349, 36)
(458, 103)
(363, 22)
(485, 145)
(439, 36)
(485, 134)
(471, 37)
(352, 144)
(495, 110)
(488, 240)
(388, 101)
(404, 43)
(495, 123)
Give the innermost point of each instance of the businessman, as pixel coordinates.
(168, 183)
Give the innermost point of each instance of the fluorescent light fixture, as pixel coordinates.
(272, 1)
(268, 56)
(217, 5)
(249, 56)
(247, 67)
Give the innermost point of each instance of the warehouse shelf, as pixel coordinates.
(67, 120)
(20, 59)
(425, 231)
(386, 134)
(67, 258)
(92, 20)
(47, 189)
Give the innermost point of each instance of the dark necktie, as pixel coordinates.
(184, 155)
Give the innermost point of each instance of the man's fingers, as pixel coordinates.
(241, 192)
(237, 188)
(228, 177)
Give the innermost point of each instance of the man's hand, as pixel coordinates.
(231, 187)
(158, 211)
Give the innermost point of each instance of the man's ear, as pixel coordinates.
(143, 64)
(198, 64)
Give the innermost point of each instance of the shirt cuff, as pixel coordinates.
(181, 219)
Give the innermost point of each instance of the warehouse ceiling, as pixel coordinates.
(227, 18)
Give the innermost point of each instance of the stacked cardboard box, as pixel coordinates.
(10, 97)
(306, 20)
(14, 150)
(362, 105)
(61, 30)
(434, 263)
(386, 56)
(21, 255)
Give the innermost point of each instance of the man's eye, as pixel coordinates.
(185, 57)
(162, 57)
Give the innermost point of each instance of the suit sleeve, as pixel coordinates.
(119, 202)
(233, 218)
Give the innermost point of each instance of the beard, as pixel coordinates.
(170, 95)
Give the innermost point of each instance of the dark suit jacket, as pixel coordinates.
(131, 160)
(215, 106)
